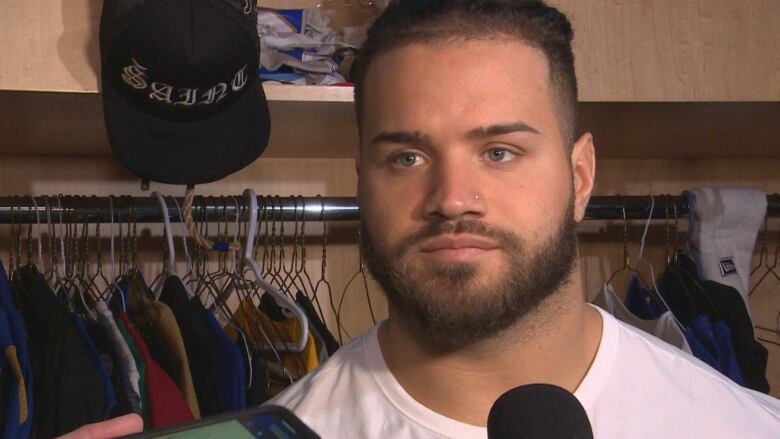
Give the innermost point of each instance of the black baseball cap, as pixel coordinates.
(182, 98)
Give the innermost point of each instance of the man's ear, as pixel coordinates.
(583, 163)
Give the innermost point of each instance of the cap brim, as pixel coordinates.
(192, 152)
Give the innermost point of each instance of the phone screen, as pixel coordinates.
(270, 423)
(231, 429)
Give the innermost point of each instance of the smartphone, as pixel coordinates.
(265, 422)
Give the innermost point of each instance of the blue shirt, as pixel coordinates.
(19, 337)
(232, 387)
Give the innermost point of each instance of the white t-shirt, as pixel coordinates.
(637, 387)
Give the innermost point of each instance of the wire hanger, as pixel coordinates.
(359, 273)
(222, 278)
(274, 264)
(169, 264)
(113, 286)
(290, 273)
(266, 256)
(11, 241)
(29, 236)
(59, 278)
(641, 255)
(67, 251)
(763, 258)
(298, 279)
(93, 288)
(668, 250)
(218, 303)
(291, 281)
(38, 233)
(245, 287)
(770, 269)
(302, 270)
(48, 274)
(775, 331)
(323, 281)
(187, 258)
(626, 257)
(281, 298)
(279, 266)
(233, 278)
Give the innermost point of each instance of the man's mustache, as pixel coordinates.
(502, 237)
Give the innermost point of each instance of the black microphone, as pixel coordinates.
(538, 411)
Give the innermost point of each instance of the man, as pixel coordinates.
(470, 184)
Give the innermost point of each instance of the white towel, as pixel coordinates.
(724, 223)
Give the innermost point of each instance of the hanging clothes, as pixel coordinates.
(314, 319)
(722, 229)
(699, 305)
(141, 367)
(126, 364)
(159, 323)
(319, 345)
(100, 365)
(158, 350)
(59, 361)
(14, 388)
(641, 303)
(255, 322)
(198, 342)
(279, 327)
(257, 376)
(119, 380)
(167, 404)
(117, 304)
(23, 426)
(711, 343)
(750, 354)
(230, 368)
(719, 302)
(664, 326)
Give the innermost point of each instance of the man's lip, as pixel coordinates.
(455, 242)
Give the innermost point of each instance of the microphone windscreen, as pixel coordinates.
(538, 411)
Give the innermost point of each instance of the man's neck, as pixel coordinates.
(555, 344)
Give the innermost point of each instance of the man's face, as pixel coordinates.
(465, 186)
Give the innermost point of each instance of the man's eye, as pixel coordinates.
(500, 155)
(407, 160)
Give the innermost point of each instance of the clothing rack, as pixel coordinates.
(93, 209)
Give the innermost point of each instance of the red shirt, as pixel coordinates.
(166, 402)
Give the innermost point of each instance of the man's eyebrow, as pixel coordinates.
(500, 129)
(405, 137)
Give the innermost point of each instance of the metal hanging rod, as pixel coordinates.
(92, 209)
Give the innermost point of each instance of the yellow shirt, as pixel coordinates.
(254, 322)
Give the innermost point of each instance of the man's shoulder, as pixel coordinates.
(635, 373)
(637, 352)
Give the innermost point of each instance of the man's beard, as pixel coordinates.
(448, 306)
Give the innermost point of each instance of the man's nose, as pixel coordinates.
(455, 191)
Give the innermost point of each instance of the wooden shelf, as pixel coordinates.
(73, 124)
(307, 93)
(47, 124)
(273, 92)
(662, 79)
(683, 130)
(625, 50)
